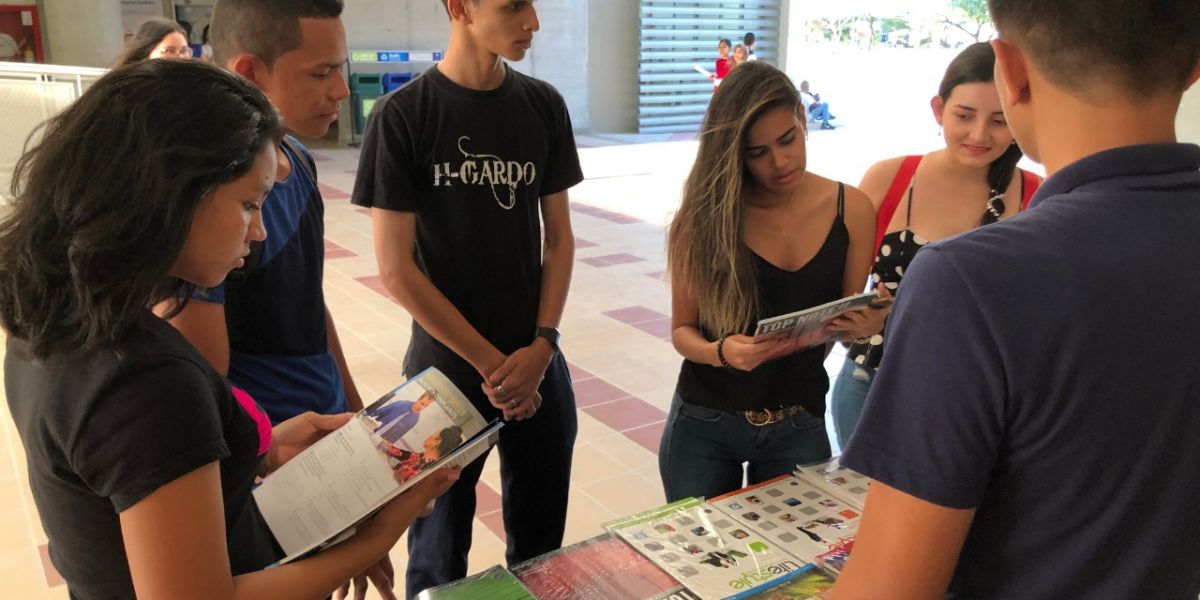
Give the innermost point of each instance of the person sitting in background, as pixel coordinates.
(816, 109)
(156, 38)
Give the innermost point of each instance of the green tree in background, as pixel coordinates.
(975, 13)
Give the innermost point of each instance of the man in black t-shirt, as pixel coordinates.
(468, 167)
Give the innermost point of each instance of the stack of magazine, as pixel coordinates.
(786, 538)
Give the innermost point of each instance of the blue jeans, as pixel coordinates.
(535, 472)
(820, 113)
(702, 449)
(849, 394)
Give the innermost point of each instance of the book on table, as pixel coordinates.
(795, 515)
(709, 552)
(598, 568)
(841, 482)
(318, 497)
(496, 583)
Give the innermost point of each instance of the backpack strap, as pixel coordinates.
(1029, 185)
(895, 193)
(306, 160)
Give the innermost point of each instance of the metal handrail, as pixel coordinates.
(39, 72)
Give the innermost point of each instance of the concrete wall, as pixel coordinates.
(559, 53)
(612, 65)
(84, 33)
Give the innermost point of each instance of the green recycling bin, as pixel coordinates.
(365, 89)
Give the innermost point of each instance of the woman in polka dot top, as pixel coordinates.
(920, 199)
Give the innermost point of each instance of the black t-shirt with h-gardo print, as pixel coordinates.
(473, 166)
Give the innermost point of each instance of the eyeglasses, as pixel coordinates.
(180, 52)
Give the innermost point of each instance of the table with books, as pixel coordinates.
(783, 538)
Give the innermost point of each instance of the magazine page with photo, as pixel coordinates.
(317, 498)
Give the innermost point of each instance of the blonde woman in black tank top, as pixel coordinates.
(756, 235)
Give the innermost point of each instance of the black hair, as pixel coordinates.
(266, 29)
(1142, 47)
(449, 439)
(748, 39)
(149, 35)
(728, 44)
(976, 64)
(104, 201)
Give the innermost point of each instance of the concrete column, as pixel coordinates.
(86, 33)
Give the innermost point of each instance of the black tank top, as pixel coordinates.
(799, 378)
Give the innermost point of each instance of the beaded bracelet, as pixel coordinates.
(721, 353)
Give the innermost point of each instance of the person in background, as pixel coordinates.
(723, 63)
(816, 109)
(748, 41)
(156, 38)
(739, 55)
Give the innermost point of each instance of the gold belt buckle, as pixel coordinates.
(761, 418)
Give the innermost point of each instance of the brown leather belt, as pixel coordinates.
(764, 417)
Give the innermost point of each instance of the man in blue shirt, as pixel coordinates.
(398, 418)
(1034, 430)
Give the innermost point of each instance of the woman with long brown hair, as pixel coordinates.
(756, 236)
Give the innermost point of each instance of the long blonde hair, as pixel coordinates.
(705, 245)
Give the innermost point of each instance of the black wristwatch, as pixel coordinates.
(550, 334)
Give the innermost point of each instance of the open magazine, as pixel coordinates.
(318, 497)
(810, 327)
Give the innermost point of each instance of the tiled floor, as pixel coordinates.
(616, 338)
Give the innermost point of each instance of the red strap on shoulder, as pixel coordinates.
(892, 200)
(1031, 186)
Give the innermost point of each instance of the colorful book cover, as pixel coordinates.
(835, 559)
(709, 552)
(792, 514)
(496, 583)
(847, 484)
(808, 583)
(600, 568)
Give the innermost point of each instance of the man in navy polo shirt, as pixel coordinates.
(1034, 430)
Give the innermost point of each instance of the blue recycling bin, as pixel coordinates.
(393, 81)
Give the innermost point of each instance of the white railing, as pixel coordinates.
(30, 94)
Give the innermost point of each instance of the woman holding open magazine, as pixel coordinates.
(756, 236)
(140, 458)
(971, 182)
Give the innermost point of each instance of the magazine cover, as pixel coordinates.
(809, 582)
(839, 481)
(809, 327)
(496, 583)
(710, 553)
(792, 514)
(599, 568)
(383, 450)
(835, 559)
